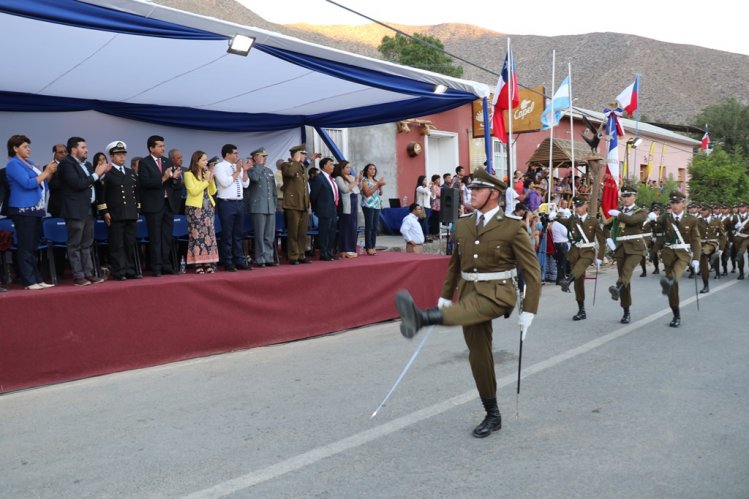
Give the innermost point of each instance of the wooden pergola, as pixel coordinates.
(561, 154)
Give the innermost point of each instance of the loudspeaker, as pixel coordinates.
(449, 205)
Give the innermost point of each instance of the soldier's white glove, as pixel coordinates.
(443, 302)
(652, 217)
(552, 215)
(696, 265)
(566, 213)
(598, 264)
(524, 321)
(738, 224)
(614, 213)
(610, 243)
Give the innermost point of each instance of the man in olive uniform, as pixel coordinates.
(118, 203)
(586, 236)
(741, 236)
(656, 239)
(727, 218)
(713, 239)
(628, 246)
(681, 237)
(296, 204)
(693, 209)
(482, 271)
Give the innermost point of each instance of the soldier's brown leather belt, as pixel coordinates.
(488, 276)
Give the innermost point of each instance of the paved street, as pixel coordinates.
(605, 410)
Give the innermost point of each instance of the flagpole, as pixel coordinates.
(635, 167)
(510, 97)
(551, 130)
(572, 126)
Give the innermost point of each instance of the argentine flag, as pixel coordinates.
(561, 101)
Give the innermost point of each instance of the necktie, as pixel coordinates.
(480, 222)
(158, 163)
(335, 191)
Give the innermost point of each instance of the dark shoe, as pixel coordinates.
(81, 282)
(644, 274)
(134, 276)
(492, 421)
(260, 265)
(243, 266)
(565, 283)
(2, 289)
(666, 283)
(157, 273)
(626, 318)
(616, 291)
(230, 268)
(326, 258)
(168, 271)
(580, 315)
(741, 276)
(95, 280)
(305, 260)
(293, 262)
(656, 271)
(706, 288)
(120, 278)
(413, 318)
(675, 322)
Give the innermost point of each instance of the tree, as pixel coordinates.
(719, 177)
(727, 124)
(419, 54)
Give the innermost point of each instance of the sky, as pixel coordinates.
(714, 24)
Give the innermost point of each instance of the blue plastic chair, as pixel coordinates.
(179, 235)
(55, 235)
(101, 238)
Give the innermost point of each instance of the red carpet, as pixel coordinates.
(68, 333)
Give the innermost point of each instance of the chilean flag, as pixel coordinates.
(628, 98)
(610, 196)
(705, 140)
(508, 80)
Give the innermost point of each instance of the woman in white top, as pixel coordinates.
(348, 208)
(424, 199)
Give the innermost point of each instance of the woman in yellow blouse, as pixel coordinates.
(202, 251)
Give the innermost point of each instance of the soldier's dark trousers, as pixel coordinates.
(625, 265)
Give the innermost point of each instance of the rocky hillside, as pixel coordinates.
(677, 81)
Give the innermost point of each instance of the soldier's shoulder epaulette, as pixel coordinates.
(513, 217)
(465, 215)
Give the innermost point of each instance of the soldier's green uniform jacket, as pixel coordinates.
(495, 247)
(713, 234)
(686, 248)
(594, 247)
(626, 231)
(295, 190)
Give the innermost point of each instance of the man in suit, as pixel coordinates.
(488, 246)
(262, 207)
(117, 202)
(160, 187)
(59, 151)
(76, 181)
(628, 245)
(586, 236)
(682, 246)
(296, 204)
(324, 198)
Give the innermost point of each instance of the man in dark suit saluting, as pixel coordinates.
(160, 185)
(76, 183)
(324, 198)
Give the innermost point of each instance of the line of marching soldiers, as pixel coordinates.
(701, 238)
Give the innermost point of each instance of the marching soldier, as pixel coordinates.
(741, 235)
(728, 222)
(586, 236)
(627, 243)
(118, 203)
(681, 236)
(713, 239)
(656, 240)
(482, 271)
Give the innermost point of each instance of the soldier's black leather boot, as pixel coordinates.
(580, 315)
(666, 283)
(413, 318)
(616, 290)
(492, 421)
(626, 317)
(676, 321)
(706, 286)
(565, 283)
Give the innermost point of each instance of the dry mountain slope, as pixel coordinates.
(677, 81)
